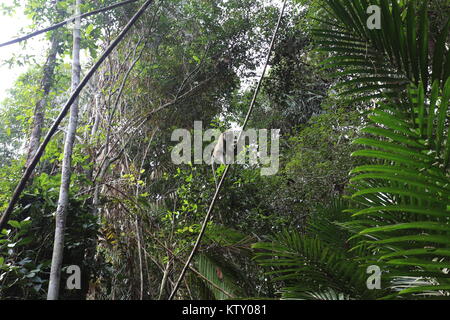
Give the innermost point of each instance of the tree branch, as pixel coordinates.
(60, 24)
(21, 186)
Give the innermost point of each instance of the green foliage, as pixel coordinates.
(400, 201)
(26, 245)
(205, 54)
(306, 265)
(317, 159)
(381, 63)
(293, 90)
(403, 196)
(220, 276)
(17, 268)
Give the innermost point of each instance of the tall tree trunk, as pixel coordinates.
(39, 109)
(61, 212)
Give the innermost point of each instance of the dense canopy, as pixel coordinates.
(226, 149)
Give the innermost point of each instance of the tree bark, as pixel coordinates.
(61, 212)
(39, 109)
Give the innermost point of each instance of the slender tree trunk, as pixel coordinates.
(61, 212)
(138, 224)
(39, 109)
(164, 279)
(141, 267)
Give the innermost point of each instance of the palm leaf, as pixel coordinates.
(403, 198)
(381, 61)
(305, 265)
(217, 274)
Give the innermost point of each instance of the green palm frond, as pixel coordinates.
(404, 207)
(418, 285)
(305, 264)
(381, 63)
(228, 238)
(329, 294)
(218, 274)
(326, 221)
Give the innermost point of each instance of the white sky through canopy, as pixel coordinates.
(10, 27)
